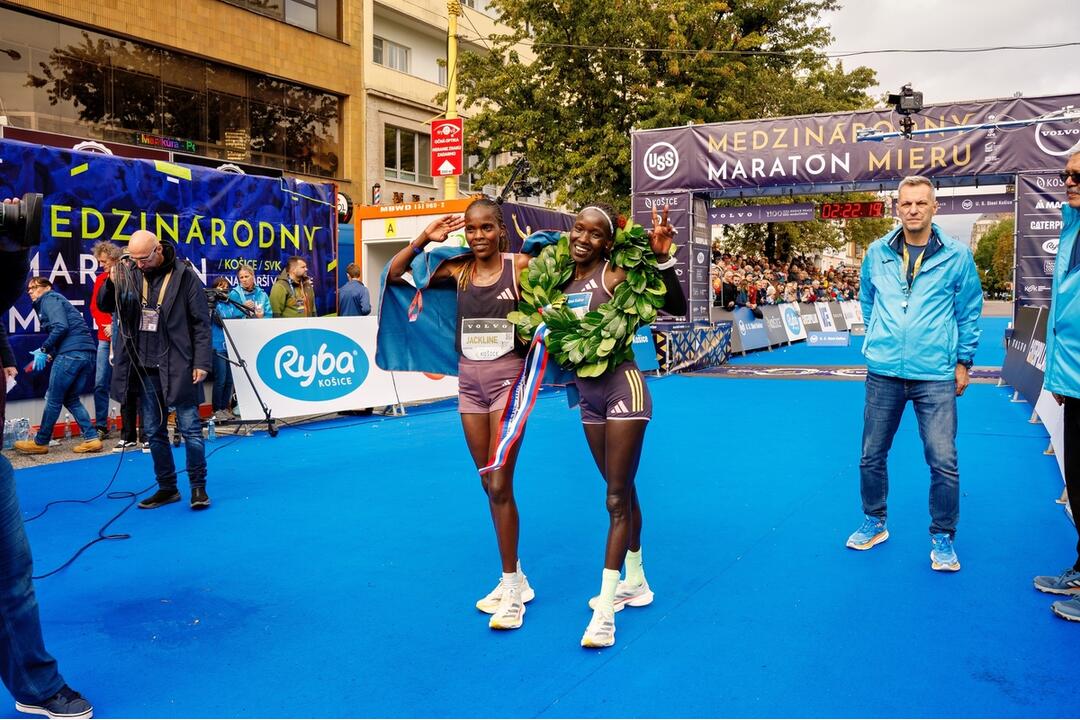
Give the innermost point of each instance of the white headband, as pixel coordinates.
(606, 217)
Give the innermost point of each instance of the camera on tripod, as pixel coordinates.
(213, 295)
(20, 223)
(907, 102)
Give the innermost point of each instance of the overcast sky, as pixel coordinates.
(915, 24)
(942, 77)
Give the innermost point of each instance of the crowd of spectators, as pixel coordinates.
(747, 281)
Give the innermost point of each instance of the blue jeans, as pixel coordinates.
(29, 672)
(223, 382)
(69, 372)
(155, 416)
(935, 410)
(102, 379)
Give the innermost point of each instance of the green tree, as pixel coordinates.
(994, 255)
(569, 106)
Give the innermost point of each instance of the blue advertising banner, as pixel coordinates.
(216, 220)
(645, 349)
(749, 332)
(831, 338)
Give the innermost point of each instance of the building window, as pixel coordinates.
(93, 85)
(319, 16)
(391, 55)
(407, 155)
(442, 73)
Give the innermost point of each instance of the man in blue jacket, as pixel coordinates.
(72, 350)
(354, 299)
(1062, 375)
(921, 301)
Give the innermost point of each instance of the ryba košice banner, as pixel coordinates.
(216, 220)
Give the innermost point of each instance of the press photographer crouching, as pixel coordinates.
(161, 350)
(27, 669)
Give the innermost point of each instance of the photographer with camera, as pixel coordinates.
(161, 348)
(27, 669)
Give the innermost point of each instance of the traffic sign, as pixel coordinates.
(447, 146)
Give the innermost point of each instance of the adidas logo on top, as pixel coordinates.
(591, 285)
(507, 294)
(619, 409)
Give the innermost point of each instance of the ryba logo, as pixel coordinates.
(661, 160)
(793, 321)
(312, 364)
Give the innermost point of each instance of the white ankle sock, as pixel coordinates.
(511, 579)
(609, 581)
(635, 571)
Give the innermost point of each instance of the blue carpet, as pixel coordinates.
(336, 572)
(991, 352)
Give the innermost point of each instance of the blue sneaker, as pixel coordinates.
(942, 554)
(1067, 583)
(65, 704)
(1067, 609)
(869, 534)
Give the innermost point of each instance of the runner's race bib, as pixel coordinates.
(486, 338)
(578, 303)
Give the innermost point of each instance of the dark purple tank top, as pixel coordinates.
(586, 295)
(483, 332)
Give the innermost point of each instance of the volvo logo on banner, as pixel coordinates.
(312, 364)
(661, 161)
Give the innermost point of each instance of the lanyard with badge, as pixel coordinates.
(914, 273)
(149, 320)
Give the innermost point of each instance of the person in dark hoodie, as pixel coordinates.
(161, 347)
(28, 671)
(70, 347)
(293, 294)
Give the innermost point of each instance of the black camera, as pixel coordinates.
(20, 223)
(907, 102)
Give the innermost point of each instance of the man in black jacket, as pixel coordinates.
(71, 348)
(27, 669)
(161, 348)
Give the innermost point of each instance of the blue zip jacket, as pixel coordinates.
(238, 294)
(1062, 374)
(924, 333)
(66, 327)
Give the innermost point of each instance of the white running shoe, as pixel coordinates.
(490, 602)
(511, 610)
(601, 630)
(626, 594)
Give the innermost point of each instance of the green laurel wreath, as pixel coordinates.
(604, 337)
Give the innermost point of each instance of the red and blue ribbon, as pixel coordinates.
(521, 400)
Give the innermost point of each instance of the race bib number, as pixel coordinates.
(149, 320)
(578, 303)
(486, 338)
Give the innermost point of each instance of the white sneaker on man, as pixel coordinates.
(626, 594)
(490, 602)
(601, 630)
(511, 610)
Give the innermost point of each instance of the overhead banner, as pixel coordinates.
(812, 151)
(310, 366)
(1038, 228)
(792, 212)
(216, 220)
(971, 204)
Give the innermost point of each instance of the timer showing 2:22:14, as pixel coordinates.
(850, 210)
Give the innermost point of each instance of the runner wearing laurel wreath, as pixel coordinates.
(587, 294)
(489, 360)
